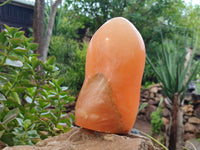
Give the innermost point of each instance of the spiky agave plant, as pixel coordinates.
(175, 73)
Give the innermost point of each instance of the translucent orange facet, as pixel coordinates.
(109, 99)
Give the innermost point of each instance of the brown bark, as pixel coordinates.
(176, 131)
(38, 23)
(46, 40)
(38, 27)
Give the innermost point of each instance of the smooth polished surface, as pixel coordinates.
(109, 98)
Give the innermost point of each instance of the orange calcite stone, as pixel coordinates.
(109, 99)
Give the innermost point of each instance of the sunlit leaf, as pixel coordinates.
(33, 134)
(19, 34)
(2, 37)
(60, 81)
(1, 107)
(20, 122)
(15, 63)
(28, 99)
(12, 114)
(27, 123)
(1, 133)
(33, 46)
(20, 50)
(51, 60)
(12, 58)
(2, 97)
(19, 89)
(15, 42)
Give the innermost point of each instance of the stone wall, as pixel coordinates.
(191, 109)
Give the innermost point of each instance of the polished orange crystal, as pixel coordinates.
(109, 99)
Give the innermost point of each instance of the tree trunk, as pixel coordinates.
(38, 23)
(38, 27)
(177, 130)
(47, 38)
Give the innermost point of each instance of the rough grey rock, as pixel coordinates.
(82, 139)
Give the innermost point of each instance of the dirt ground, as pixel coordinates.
(143, 125)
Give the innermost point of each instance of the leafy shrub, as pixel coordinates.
(75, 72)
(71, 61)
(63, 49)
(31, 100)
(156, 121)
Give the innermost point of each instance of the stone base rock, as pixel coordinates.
(82, 139)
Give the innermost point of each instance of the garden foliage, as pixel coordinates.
(156, 121)
(170, 67)
(71, 61)
(76, 19)
(31, 100)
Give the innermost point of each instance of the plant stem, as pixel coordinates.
(13, 85)
(4, 59)
(153, 139)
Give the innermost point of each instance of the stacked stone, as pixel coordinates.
(70, 108)
(191, 110)
(191, 117)
(152, 97)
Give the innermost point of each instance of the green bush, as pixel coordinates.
(71, 58)
(28, 91)
(156, 121)
(63, 49)
(75, 72)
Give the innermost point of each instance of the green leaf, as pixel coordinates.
(35, 55)
(12, 30)
(29, 40)
(12, 58)
(142, 106)
(51, 60)
(19, 131)
(4, 3)
(11, 115)
(2, 37)
(7, 27)
(28, 99)
(33, 46)
(1, 133)
(33, 134)
(15, 41)
(14, 63)
(1, 107)
(2, 47)
(19, 89)
(64, 88)
(64, 93)
(31, 127)
(55, 68)
(35, 62)
(20, 50)
(46, 87)
(45, 113)
(44, 66)
(16, 98)
(20, 122)
(52, 84)
(27, 123)
(59, 126)
(19, 34)
(2, 97)
(60, 81)
(27, 83)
